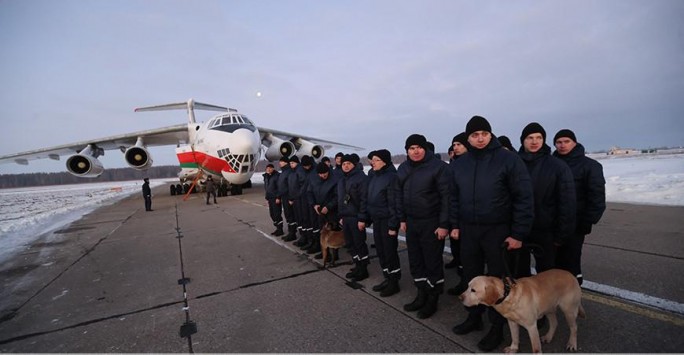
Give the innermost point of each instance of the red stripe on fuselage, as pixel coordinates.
(205, 161)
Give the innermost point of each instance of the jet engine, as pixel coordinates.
(278, 148)
(138, 158)
(83, 165)
(305, 147)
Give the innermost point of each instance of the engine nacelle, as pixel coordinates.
(84, 166)
(138, 158)
(305, 147)
(278, 148)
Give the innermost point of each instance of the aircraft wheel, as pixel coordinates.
(236, 190)
(247, 185)
(172, 189)
(179, 189)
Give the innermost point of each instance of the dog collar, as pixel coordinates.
(507, 290)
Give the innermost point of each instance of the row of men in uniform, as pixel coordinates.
(486, 197)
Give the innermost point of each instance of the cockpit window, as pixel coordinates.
(231, 122)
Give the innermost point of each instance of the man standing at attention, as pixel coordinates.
(492, 203)
(147, 194)
(554, 199)
(423, 209)
(590, 187)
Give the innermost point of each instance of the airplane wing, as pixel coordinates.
(288, 136)
(154, 137)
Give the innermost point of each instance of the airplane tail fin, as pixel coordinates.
(190, 105)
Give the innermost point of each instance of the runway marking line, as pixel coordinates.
(633, 308)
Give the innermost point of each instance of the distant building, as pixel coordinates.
(623, 151)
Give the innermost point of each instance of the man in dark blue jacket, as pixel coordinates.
(274, 209)
(352, 197)
(312, 242)
(296, 184)
(459, 145)
(554, 199)
(590, 187)
(322, 195)
(282, 199)
(492, 204)
(423, 209)
(382, 210)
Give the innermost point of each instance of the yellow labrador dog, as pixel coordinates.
(529, 299)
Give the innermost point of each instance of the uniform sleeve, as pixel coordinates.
(333, 203)
(454, 203)
(399, 195)
(566, 204)
(520, 186)
(363, 199)
(444, 187)
(596, 193)
(393, 221)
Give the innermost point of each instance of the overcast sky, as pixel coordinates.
(367, 73)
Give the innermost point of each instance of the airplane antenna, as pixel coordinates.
(190, 105)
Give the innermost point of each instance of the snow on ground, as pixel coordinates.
(27, 213)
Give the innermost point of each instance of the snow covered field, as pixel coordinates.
(27, 213)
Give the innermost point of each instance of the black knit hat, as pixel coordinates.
(339, 154)
(294, 159)
(322, 168)
(506, 143)
(533, 127)
(355, 157)
(269, 165)
(477, 123)
(307, 161)
(430, 146)
(284, 159)
(415, 139)
(461, 138)
(565, 133)
(324, 159)
(383, 154)
(349, 158)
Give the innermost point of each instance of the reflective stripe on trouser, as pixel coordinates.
(425, 251)
(386, 247)
(357, 237)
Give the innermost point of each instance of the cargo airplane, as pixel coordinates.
(228, 146)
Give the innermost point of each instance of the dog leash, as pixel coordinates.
(508, 279)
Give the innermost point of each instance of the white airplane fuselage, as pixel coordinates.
(228, 146)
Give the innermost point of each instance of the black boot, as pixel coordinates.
(279, 231)
(430, 306)
(361, 271)
(291, 233)
(493, 339)
(381, 286)
(474, 322)
(303, 238)
(452, 264)
(353, 271)
(418, 302)
(315, 246)
(391, 288)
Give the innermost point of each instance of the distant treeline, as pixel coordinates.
(117, 174)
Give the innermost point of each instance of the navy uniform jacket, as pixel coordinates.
(271, 185)
(590, 187)
(352, 195)
(422, 190)
(492, 186)
(554, 194)
(295, 182)
(283, 191)
(381, 196)
(324, 193)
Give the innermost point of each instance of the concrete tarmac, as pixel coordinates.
(110, 283)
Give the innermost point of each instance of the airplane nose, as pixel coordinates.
(242, 142)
